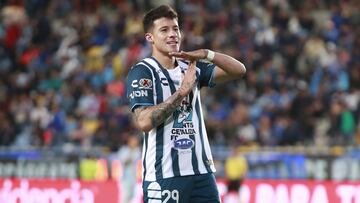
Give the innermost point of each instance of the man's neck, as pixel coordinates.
(166, 62)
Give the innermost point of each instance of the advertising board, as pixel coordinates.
(252, 191)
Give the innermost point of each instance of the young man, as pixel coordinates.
(164, 94)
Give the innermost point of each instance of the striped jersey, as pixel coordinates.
(179, 146)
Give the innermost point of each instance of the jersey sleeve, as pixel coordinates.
(206, 74)
(139, 87)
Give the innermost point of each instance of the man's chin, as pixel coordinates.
(173, 49)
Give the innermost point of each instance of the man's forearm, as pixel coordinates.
(229, 64)
(149, 117)
(162, 111)
(228, 67)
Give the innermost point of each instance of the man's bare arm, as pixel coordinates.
(148, 117)
(227, 68)
(157, 114)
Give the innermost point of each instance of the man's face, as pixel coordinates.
(165, 35)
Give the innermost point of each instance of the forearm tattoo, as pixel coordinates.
(165, 109)
(138, 111)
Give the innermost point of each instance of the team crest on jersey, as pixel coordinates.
(145, 83)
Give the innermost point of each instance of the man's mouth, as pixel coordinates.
(172, 43)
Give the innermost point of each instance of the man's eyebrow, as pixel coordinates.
(165, 26)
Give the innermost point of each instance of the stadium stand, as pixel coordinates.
(63, 65)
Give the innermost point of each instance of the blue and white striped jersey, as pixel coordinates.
(180, 146)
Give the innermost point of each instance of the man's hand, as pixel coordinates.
(190, 55)
(189, 79)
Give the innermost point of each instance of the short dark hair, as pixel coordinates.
(156, 13)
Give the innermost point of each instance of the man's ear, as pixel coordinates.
(149, 38)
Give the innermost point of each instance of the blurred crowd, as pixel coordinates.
(63, 67)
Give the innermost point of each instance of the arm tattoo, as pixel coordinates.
(138, 111)
(165, 109)
(159, 113)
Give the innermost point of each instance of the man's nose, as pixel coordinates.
(173, 33)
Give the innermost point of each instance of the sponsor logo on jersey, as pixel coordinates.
(134, 84)
(138, 93)
(182, 115)
(184, 143)
(145, 83)
(164, 81)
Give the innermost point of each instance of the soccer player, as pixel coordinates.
(164, 94)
